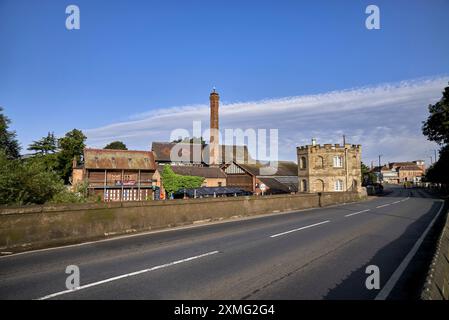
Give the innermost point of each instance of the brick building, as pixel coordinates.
(118, 175)
(400, 172)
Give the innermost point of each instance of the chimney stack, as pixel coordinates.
(214, 128)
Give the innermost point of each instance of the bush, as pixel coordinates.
(174, 182)
(27, 181)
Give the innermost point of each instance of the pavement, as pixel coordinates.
(320, 253)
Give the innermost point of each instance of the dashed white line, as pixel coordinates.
(384, 205)
(353, 214)
(93, 284)
(396, 202)
(302, 228)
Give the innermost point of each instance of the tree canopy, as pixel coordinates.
(194, 140)
(71, 147)
(8, 142)
(27, 181)
(38, 179)
(439, 171)
(436, 127)
(116, 145)
(367, 176)
(45, 145)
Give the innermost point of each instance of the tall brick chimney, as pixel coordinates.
(214, 129)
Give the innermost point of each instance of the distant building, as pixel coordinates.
(329, 168)
(118, 175)
(412, 173)
(389, 175)
(400, 172)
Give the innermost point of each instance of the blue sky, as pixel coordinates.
(132, 58)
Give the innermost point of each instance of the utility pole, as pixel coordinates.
(380, 169)
(346, 162)
(435, 150)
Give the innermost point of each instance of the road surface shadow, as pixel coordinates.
(388, 259)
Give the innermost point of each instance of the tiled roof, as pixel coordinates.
(277, 186)
(162, 151)
(205, 172)
(410, 168)
(280, 168)
(186, 152)
(118, 159)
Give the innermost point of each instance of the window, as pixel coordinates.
(302, 163)
(319, 162)
(220, 184)
(338, 185)
(338, 162)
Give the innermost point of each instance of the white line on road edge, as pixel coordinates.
(353, 214)
(126, 275)
(302, 228)
(384, 205)
(386, 290)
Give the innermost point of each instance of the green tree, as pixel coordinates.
(8, 142)
(439, 171)
(45, 145)
(116, 145)
(436, 127)
(194, 140)
(27, 181)
(71, 147)
(174, 182)
(367, 176)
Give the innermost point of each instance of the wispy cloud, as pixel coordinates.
(384, 119)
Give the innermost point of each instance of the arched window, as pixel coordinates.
(338, 185)
(338, 162)
(304, 185)
(302, 163)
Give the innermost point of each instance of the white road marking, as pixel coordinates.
(384, 205)
(405, 199)
(353, 214)
(396, 202)
(93, 284)
(391, 283)
(302, 228)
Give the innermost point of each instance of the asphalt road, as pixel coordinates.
(312, 254)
